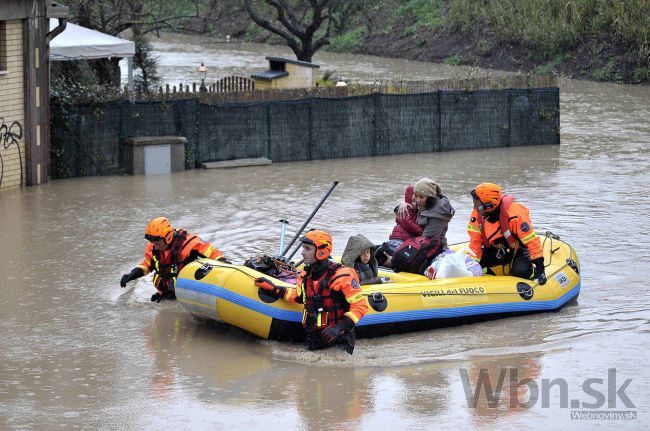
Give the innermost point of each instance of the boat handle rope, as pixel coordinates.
(516, 292)
(212, 265)
(206, 267)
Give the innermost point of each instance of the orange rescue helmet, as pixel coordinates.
(489, 194)
(322, 240)
(159, 228)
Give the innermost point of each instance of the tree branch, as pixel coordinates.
(268, 26)
(295, 24)
(317, 18)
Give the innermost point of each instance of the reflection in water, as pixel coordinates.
(161, 338)
(226, 365)
(79, 352)
(324, 402)
(499, 387)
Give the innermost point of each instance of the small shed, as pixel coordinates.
(286, 73)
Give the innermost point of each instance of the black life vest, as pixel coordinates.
(324, 307)
(169, 269)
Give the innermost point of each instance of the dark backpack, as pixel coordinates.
(415, 254)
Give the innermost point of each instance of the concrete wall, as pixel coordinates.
(12, 108)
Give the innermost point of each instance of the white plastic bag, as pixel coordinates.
(450, 264)
(453, 265)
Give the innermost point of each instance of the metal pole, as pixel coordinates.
(282, 232)
(294, 252)
(129, 64)
(334, 184)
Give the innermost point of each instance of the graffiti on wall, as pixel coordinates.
(10, 135)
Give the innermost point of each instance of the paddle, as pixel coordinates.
(282, 232)
(304, 225)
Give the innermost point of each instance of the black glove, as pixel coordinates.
(224, 260)
(331, 334)
(539, 273)
(135, 273)
(266, 284)
(156, 297)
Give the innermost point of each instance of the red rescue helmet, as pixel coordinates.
(322, 241)
(159, 228)
(489, 194)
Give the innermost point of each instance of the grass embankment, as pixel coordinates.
(605, 40)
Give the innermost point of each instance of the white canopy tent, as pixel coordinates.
(81, 43)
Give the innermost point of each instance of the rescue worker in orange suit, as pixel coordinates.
(331, 294)
(501, 233)
(168, 251)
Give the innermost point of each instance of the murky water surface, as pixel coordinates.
(79, 352)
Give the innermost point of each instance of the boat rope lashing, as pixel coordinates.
(206, 267)
(377, 301)
(525, 291)
(548, 235)
(573, 265)
(516, 292)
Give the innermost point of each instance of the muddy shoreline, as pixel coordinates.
(597, 58)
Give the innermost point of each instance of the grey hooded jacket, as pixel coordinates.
(353, 249)
(435, 220)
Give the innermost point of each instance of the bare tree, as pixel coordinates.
(141, 17)
(114, 16)
(297, 22)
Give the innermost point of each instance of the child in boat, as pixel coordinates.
(406, 227)
(434, 210)
(360, 254)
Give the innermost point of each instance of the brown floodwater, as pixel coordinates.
(79, 352)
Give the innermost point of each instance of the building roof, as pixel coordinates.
(77, 43)
(298, 62)
(269, 75)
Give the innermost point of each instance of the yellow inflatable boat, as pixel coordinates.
(410, 302)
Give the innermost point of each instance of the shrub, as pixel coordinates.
(347, 42)
(454, 60)
(641, 74)
(424, 13)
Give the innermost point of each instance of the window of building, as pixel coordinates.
(277, 65)
(3, 46)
